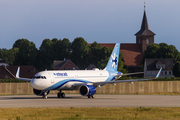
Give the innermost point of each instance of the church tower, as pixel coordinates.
(144, 36)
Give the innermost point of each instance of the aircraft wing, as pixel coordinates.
(25, 79)
(17, 76)
(119, 74)
(119, 81)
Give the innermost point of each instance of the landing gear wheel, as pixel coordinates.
(44, 97)
(91, 96)
(61, 95)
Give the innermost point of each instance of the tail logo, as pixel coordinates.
(114, 60)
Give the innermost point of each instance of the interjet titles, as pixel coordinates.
(60, 74)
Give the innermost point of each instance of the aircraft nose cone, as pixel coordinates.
(36, 84)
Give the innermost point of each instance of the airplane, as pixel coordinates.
(86, 81)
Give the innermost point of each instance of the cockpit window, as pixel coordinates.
(38, 77)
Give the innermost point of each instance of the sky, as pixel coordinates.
(103, 21)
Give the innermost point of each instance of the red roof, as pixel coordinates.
(132, 54)
(109, 45)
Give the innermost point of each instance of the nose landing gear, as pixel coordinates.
(45, 95)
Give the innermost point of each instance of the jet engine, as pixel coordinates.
(87, 90)
(40, 92)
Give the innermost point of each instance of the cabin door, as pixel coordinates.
(51, 77)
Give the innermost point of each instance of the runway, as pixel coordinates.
(76, 100)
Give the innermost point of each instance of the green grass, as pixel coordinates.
(140, 113)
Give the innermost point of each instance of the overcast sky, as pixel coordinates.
(103, 21)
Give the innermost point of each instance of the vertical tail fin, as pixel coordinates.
(112, 64)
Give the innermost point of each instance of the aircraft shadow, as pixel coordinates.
(31, 98)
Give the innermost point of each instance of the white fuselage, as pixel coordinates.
(64, 80)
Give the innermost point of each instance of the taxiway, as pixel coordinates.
(76, 100)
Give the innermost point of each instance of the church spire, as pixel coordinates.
(144, 27)
(144, 24)
(144, 36)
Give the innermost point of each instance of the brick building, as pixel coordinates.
(133, 52)
(64, 65)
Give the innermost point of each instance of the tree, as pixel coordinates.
(161, 50)
(9, 55)
(152, 51)
(55, 48)
(176, 69)
(45, 55)
(65, 49)
(121, 64)
(26, 54)
(95, 53)
(80, 50)
(104, 57)
(173, 52)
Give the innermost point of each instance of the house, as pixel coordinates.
(64, 65)
(26, 71)
(91, 67)
(152, 66)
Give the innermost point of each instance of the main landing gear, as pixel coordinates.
(91, 96)
(61, 95)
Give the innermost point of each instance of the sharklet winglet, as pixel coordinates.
(17, 74)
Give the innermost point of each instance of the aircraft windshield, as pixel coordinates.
(39, 77)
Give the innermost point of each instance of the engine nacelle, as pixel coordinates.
(40, 92)
(87, 90)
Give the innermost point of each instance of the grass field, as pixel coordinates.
(140, 113)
